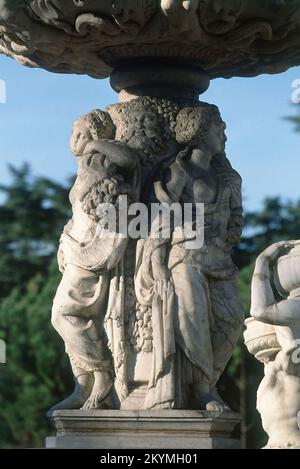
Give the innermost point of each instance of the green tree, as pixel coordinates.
(37, 371)
(32, 215)
(31, 218)
(296, 121)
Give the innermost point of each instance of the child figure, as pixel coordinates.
(87, 256)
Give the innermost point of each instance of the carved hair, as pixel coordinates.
(193, 123)
(162, 113)
(99, 124)
(105, 192)
(163, 110)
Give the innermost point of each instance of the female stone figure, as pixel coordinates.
(203, 316)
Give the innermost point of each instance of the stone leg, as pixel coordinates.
(192, 316)
(78, 316)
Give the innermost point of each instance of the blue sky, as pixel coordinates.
(35, 125)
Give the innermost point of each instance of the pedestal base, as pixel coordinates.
(174, 429)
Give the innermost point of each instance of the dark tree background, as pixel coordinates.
(32, 215)
(37, 373)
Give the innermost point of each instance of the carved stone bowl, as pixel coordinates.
(95, 37)
(261, 340)
(287, 271)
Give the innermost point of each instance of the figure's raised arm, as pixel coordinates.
(264, 307)
(119, 153)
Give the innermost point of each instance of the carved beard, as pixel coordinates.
(150, 144)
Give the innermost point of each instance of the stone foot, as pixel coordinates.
(212, 402)
(102, 386)
(164, 406)
(83, 388)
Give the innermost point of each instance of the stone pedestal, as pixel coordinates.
(176, 429)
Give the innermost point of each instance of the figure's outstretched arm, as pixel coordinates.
(263, 304)
(119, 153)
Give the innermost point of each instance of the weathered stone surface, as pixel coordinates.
(236, 37)
(144, 430)
(154, 319)
(273, 335)
(156, 323)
